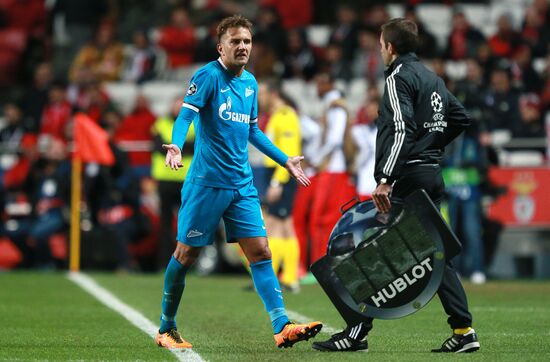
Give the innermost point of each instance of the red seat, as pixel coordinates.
(13, 40)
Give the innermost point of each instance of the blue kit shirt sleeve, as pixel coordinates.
(197, 96)
(181, 126)
(200, 89)
(262, 143)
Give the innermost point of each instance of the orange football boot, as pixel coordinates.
(171, 339)
(293, 333)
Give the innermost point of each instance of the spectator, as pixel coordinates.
(300, 60)
(48, 186)
(506, 39)
(335, 64)
(543, 7)
(16, 149)
(79, 20)
(438, 67)
(530, 123)
(484, 56)
(427, 44)
(36, 97)
(374, 16)
(471, 92)
(139, 59)
(262, 59)
(133, 135)
(103, 55)
(16, 155)
(30, 18)
(502, 101)
(178, 39)
(463, 39)
(83, 78)
(345, 31)
(56, 114)
(268, 27)
(534, 31)
(94, 101)
(206, 46)
(368, 63)
(524, 76)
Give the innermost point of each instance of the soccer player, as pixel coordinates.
(222, 102)
(418, 117)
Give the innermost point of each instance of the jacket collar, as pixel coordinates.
(405, 58)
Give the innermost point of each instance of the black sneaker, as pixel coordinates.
(342, 342)
(460, 343)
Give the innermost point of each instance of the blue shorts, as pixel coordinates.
(202, 207)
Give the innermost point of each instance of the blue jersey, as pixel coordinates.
(226, 119)
(227, 105)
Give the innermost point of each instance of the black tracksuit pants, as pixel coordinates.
(450, 292)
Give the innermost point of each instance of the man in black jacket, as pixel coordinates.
(418, 117)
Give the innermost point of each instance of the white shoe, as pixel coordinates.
(478, 278)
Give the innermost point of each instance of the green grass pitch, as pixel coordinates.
(47, 317)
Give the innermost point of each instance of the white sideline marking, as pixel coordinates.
(132, 315)
(295, 316)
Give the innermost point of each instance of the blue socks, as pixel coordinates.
(268, 288)
(265, 281)
(174, 283)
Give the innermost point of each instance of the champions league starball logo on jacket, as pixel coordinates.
(437, 103)
(438, 123)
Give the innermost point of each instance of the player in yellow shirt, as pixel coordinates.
(283, 129)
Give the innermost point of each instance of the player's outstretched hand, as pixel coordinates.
(295, 170)
(173, 156)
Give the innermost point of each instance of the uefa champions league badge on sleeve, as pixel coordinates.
(192, 89)
(386, 266)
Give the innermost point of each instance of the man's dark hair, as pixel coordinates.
(235, 21)
(402, 34)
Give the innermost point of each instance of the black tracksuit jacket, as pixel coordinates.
(418, 117)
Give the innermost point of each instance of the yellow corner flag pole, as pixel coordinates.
(74, 259)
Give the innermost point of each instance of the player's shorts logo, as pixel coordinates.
(192, 89)
(193, 233)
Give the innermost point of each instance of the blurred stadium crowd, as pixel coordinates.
(126, 63)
